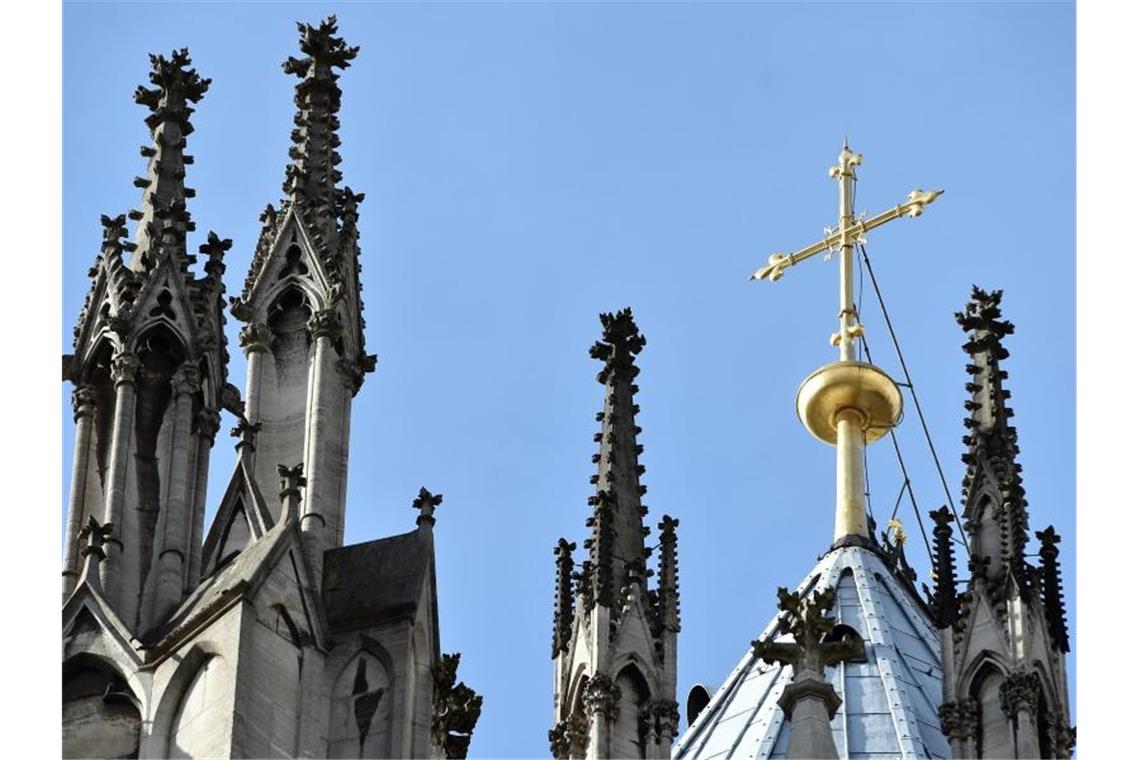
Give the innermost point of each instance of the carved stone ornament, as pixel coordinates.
(325, 323)
(94, 535)
(425, 503)
(666, 719)
(456, 709)
(125, 367)
(959, 720)
(83, 401)
(1020, 691)
(207, 422)
(255, 337)
(602, 695)
(186, 380)
(559, 740)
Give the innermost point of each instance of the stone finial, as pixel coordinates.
(292, 481)
(621, 342)
(426, 502)
(668, 585)
(945, 600)
(313, 175)
(94, 535)
(215, 250)
(1051, 592)
(809, 625)
(246, 433)
(163, 218)
(456, 708)
(563, 596)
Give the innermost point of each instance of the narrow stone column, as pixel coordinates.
(317, 511)
(112, 572)
(256, 341)
(206, 425)
(601, 698)
(83, 402)
(169, 567)
(810, 702)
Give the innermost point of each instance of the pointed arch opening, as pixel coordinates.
(630, 737)
(101, 714)
(994, 728)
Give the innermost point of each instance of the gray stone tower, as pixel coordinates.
(615, 638)
(1004, 638)
(269, 637)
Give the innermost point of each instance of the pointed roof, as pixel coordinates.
(890, 700)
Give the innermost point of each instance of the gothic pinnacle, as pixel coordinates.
(313, 174)
(563, 596)
(945, 601)
(991, 441)
(163, 220)
(619, 535)
(1051, 593)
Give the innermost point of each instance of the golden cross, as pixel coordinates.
(847, 403)
(851, 230)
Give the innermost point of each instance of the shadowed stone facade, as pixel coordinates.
(263, 636)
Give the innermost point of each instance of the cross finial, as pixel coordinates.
(426, 503)
(246, 433)
(848, 403)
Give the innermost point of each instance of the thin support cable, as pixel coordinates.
(913, 394)
(906, 476)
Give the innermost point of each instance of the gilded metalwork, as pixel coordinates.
(848, 403)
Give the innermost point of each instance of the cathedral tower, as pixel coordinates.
(267, 636)
(615, 638)
(149, 369)
(1004, 638)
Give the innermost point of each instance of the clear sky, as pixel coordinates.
(528, 166)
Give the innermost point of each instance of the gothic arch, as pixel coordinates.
(102, 713)
(994, 728)
(630, 737)
(171, 713)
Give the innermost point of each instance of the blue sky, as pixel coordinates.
(528, 166)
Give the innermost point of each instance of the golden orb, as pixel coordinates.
(849, 385)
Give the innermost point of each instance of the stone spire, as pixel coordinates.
(944, 602)
(668, 587)
(1051, 593)
(563, 596)
(1003, 652)
(313, 174)
(618, 540)
(993, 476)
(615, 638)
(163, 220)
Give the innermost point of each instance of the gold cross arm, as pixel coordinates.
(915, 203)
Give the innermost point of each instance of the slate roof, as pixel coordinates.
(890, 702)
(375, 580)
